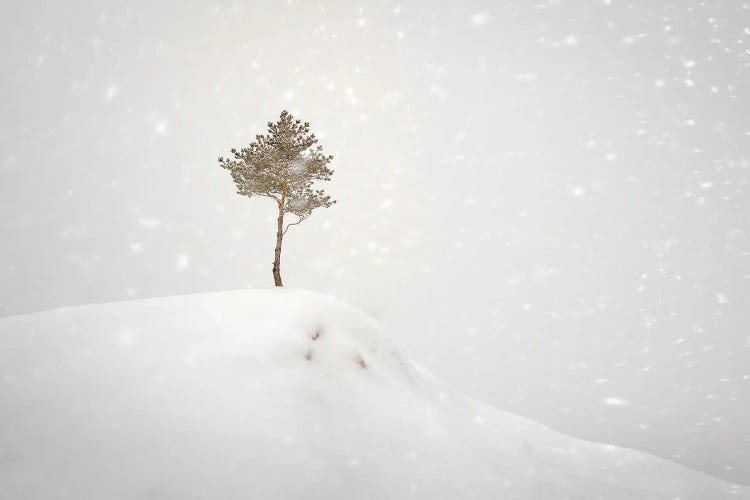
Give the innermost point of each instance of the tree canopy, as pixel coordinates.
(283, 165)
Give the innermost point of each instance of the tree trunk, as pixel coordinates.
(277, 252)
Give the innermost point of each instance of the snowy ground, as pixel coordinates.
(273, 394)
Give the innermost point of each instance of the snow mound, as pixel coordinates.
(271, 394)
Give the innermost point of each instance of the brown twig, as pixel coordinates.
(361, 362)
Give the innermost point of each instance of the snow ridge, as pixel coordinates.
(268, 394)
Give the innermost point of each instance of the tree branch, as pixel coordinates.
(293, 224)
(269, 195)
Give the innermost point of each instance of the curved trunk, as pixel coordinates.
(277, 251)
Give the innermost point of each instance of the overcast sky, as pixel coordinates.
(545, 202)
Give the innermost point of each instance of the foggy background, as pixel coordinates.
(546, 203)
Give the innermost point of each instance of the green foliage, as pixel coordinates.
(283, 165)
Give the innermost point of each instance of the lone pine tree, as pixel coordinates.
(283, 165)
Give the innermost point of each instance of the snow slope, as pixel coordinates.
(271, 394)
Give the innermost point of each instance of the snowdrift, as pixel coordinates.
(272, 394)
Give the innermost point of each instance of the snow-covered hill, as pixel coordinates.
(272, 394)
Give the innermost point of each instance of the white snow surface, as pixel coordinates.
(213, 396)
